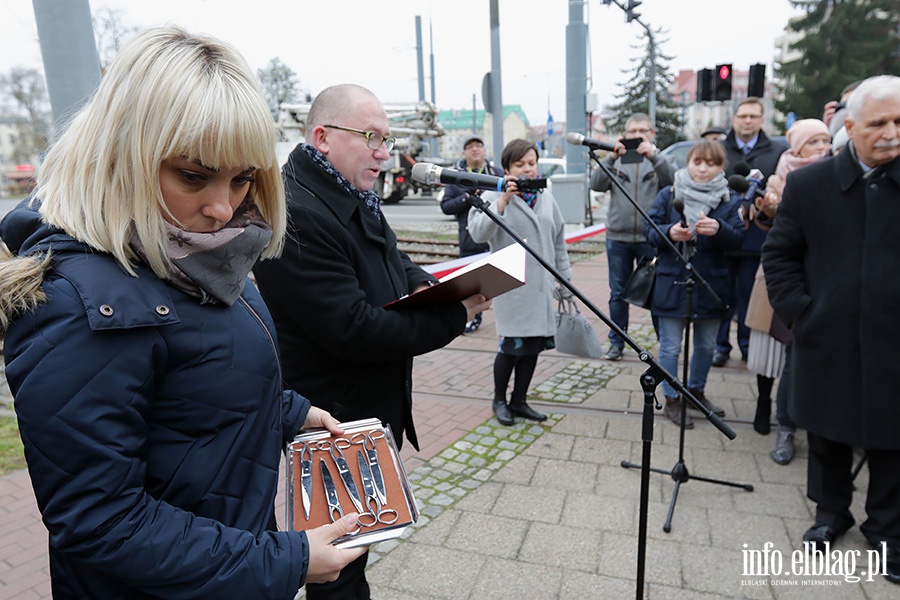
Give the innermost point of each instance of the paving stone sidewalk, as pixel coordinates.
(546, 511)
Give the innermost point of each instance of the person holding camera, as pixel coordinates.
(642, 171)
(454, 203)
(526, 316)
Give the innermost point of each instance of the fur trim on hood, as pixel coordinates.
(20, 284)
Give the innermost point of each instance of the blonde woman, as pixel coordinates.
(144, 366)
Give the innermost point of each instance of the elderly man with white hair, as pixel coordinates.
(831, 263)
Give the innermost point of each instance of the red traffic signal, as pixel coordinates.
(722, 85)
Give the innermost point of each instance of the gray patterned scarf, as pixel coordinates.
(214, 266)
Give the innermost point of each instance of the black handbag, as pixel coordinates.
(639, 289)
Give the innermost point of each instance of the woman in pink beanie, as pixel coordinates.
(810, 140)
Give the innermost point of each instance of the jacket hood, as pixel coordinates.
(24, 260)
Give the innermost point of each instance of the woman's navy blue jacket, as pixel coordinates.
(153, 430)
(708, 259)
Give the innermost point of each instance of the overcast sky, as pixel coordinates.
(373, 42)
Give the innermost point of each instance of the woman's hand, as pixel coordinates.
(706, 226)
(512, 188)
(316, 417)
(326, 561)
(768, 204)
(680, 233)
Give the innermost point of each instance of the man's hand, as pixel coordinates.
(316, 417)
(475, 304)
(828, 111)
(647, 149)
(326, 561)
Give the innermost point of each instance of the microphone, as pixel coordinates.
(431, 174)
(573, 137)
(678, 205)
(748, 189)
(753, 177)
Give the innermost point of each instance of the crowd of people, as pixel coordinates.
(134, 254)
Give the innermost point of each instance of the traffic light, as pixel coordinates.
(704, 85)
(722, 83)
(756, 83)
(630, 15)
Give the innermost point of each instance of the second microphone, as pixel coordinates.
(431, 174)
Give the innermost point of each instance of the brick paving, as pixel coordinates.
(546, 511)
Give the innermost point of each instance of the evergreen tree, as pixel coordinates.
(280, 84)
(635, 96)
(843, 41)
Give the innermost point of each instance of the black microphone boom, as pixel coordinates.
(573, 137)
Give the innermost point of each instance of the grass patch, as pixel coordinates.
(12, 453)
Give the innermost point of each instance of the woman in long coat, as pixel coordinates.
(526, 316)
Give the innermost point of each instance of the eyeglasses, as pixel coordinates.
(638, 131)
(748, 117)
(374, 140)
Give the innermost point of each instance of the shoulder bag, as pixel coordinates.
(574, 333)
(639, 289)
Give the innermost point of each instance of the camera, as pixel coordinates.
(531, 185)
(840, 106)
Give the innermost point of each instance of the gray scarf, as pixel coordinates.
(699, 197)
(214, 266)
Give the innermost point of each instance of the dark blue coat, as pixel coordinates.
(708, 260)
(454, 203)
(153, 430)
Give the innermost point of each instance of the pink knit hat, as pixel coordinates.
(804, 130)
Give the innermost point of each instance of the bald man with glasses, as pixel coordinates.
(340, 348)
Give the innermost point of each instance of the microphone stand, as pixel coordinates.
(679, 473)
(650, 378)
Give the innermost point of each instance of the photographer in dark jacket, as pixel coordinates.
(454, 203)
(747, 143)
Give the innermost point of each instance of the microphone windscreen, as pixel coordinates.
(738, 183)
(742, 168)
(420, 172)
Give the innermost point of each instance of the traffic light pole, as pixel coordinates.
(630, 16)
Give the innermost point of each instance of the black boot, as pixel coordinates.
(520, 408)
(763, 405)
(501, 411)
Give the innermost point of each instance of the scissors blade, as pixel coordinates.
(366, 474)
(330, 491)
(306, 483)
(349, 483)
(376, 475)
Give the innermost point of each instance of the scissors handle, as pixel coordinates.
(365, 438)
(376, 515)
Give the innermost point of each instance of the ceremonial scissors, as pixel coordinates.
(306, 456)
(337, 455)
(366, 439)
(334, 504)
(375, 515)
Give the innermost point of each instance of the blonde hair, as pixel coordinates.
(168, 94)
